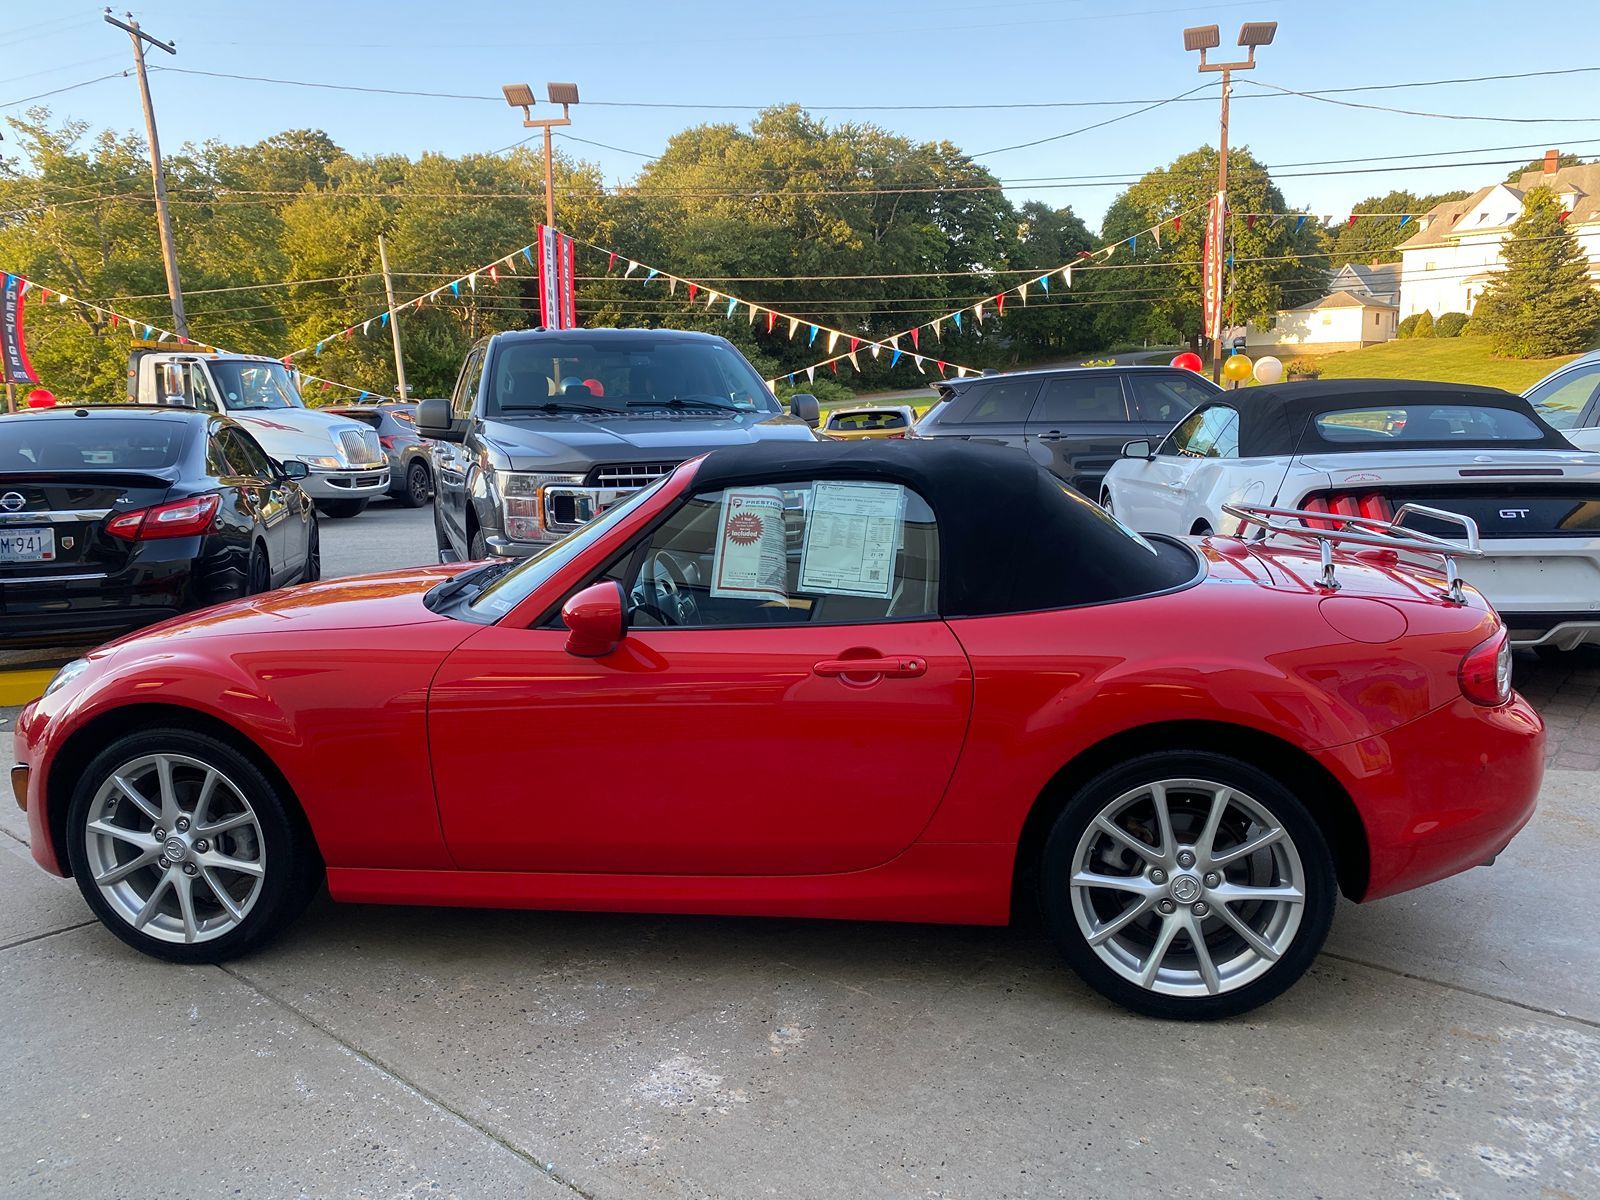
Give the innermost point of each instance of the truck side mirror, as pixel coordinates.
(435, 420)
(803, 406)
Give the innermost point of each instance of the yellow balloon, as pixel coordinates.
(1237, 367)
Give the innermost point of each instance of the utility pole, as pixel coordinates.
(169, 250)
(520, 95)
(394, 318)
(1203, 38)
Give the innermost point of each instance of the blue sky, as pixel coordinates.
(831, 53)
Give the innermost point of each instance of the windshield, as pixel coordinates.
(516, 585)
(100, 444)
(612, 376)
(255, 385)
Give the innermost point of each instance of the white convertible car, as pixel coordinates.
(1363, 448)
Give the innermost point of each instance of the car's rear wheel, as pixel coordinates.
(478, 548)
(259, 578)
(184, 849)
(419, 485)
(313, 571)
(342, 508)
(1187, 885)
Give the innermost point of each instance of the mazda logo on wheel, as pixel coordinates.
(12, 501)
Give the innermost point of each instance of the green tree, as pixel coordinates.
(1053, 323)
(1424, 326)
(1543, 302)
(1377, 239)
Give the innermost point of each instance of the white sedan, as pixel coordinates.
(1363, 448)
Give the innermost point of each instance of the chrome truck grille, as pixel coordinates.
(361, 446)
(629, 475)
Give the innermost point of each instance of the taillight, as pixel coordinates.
(1486, 671)
(1374, 506)
(386, 440)
(177, 518)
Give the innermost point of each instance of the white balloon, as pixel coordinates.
(1268, 370)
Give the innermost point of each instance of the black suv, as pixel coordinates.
(547, 428)
(1073, 420)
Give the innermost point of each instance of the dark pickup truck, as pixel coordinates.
(547, 428)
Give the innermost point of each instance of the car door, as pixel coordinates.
(452, 459)
(994, 411)
(273, 500)
(1078, 426)
(1570, 401)
(1157, 496)
(786, 700)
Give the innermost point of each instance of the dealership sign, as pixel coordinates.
(557, 306)
(13, 348)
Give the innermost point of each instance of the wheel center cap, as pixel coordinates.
(176, 848)
(1185, 889)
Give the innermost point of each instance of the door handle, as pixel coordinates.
(1055, 435)
(902, 667)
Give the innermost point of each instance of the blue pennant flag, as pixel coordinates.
(1133, 242)
(732, 304)
(895, 358)
(812, 336)
(1404, 219)
(791, 377)
(527, 253)
(652, 275)
(383, 320)
(147, 334)
(1299, 223)
(1044, 282)
(361, 397)
(956, 317)
(148, 331)
(455, 288)
(1230, 262)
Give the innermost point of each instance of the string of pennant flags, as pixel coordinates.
(143, 330)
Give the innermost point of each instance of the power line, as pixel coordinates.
(71, 87)
(1412, 112)
(1056, 137)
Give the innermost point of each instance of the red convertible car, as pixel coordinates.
(1181, 749)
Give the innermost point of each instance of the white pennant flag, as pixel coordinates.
(1066, 275)
(1022, 291)
(672, 285)
(854, 361)
(752, 319)
(811, 373)
(977, 311)
(918, 359)
(938, 321)
(794, 323)
(473, 280)
(875, 348)
(1155, 232)
(366, 325)
(961, 372)
(632, 267)
(833, 339)
(711, 298)
(894, 342)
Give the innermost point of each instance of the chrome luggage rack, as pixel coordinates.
(1366, 531)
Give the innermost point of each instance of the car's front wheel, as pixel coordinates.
(184, 849)
(1187, 885)
(418, 485)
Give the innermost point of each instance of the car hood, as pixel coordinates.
(289, 432)
(577, 442)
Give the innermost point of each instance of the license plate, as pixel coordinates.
(27, 545)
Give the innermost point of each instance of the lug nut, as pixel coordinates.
(1200, 909)
(183, 824)
(158, 833)
(1185, 858)
(1157, 875)
(1212, 879)
(1166, 906)
(191, 869)
(202, 846)
(164, 861)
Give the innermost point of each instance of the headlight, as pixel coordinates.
(324, 461)
(523, 494)
(66, 675)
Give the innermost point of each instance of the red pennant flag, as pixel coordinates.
(115, 320)
(772, 319)
(1353, 218)
(611, 262)
(1250, 221)
(324, 385)
(941, 366)
(1000, 302)
(854, 343)
(347, 333)
(1565, 213)
(914, 342)
(835, 365)
(1177, 224)
(494, 272)
(693, 288)
(286, 360)
(183, 341)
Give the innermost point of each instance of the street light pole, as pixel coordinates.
(520, 95)
(394, 319)
(169, 249)
(1203, 38)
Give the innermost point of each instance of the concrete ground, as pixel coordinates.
(1447, 1044)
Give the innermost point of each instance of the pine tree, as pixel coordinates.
(1543, 302)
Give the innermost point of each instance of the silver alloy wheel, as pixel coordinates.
(175, 848)
(1187, 887)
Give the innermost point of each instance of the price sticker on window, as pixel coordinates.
(749, 562)
(853, 531)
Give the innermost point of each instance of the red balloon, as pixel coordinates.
(596, 388)
(1189, 361)
(40, 398)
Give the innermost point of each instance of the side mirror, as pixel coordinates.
(1139, 448)
(434, 420)
(293, 469)
(597, 620)
(803, 406)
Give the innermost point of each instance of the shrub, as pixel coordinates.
(1450, 324)
(1424, 326)
(1408, 327)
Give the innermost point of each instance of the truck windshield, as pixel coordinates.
(254, 385)
(612, 376)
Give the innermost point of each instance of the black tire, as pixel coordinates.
(259, 578)
(477, 549)
(342, 508)
(1301, 943)
(292, 868)
(419, 485)
(313, 567)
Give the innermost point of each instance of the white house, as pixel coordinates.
(1344, 320)
(1456, 250)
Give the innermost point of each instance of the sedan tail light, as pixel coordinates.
(1374, 506)
(177, 518)
(1486, 671)
(386, 440)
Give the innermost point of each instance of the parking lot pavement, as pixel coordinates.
(1446, 1044)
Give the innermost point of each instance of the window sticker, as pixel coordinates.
(853, 531)
(749, 562)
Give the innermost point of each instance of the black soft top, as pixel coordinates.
(1280, 418)
(1012, 537)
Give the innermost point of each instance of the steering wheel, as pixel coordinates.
(662, 591)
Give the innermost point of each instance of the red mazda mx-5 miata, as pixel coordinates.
(892, 681)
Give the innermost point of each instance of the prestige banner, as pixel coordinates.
(13, 346)
(557, 285)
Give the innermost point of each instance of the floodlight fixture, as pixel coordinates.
(562, 93)
(1202, 37)
(1257, 33)
(518, 95)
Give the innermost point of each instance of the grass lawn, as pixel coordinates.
(1445, 360)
